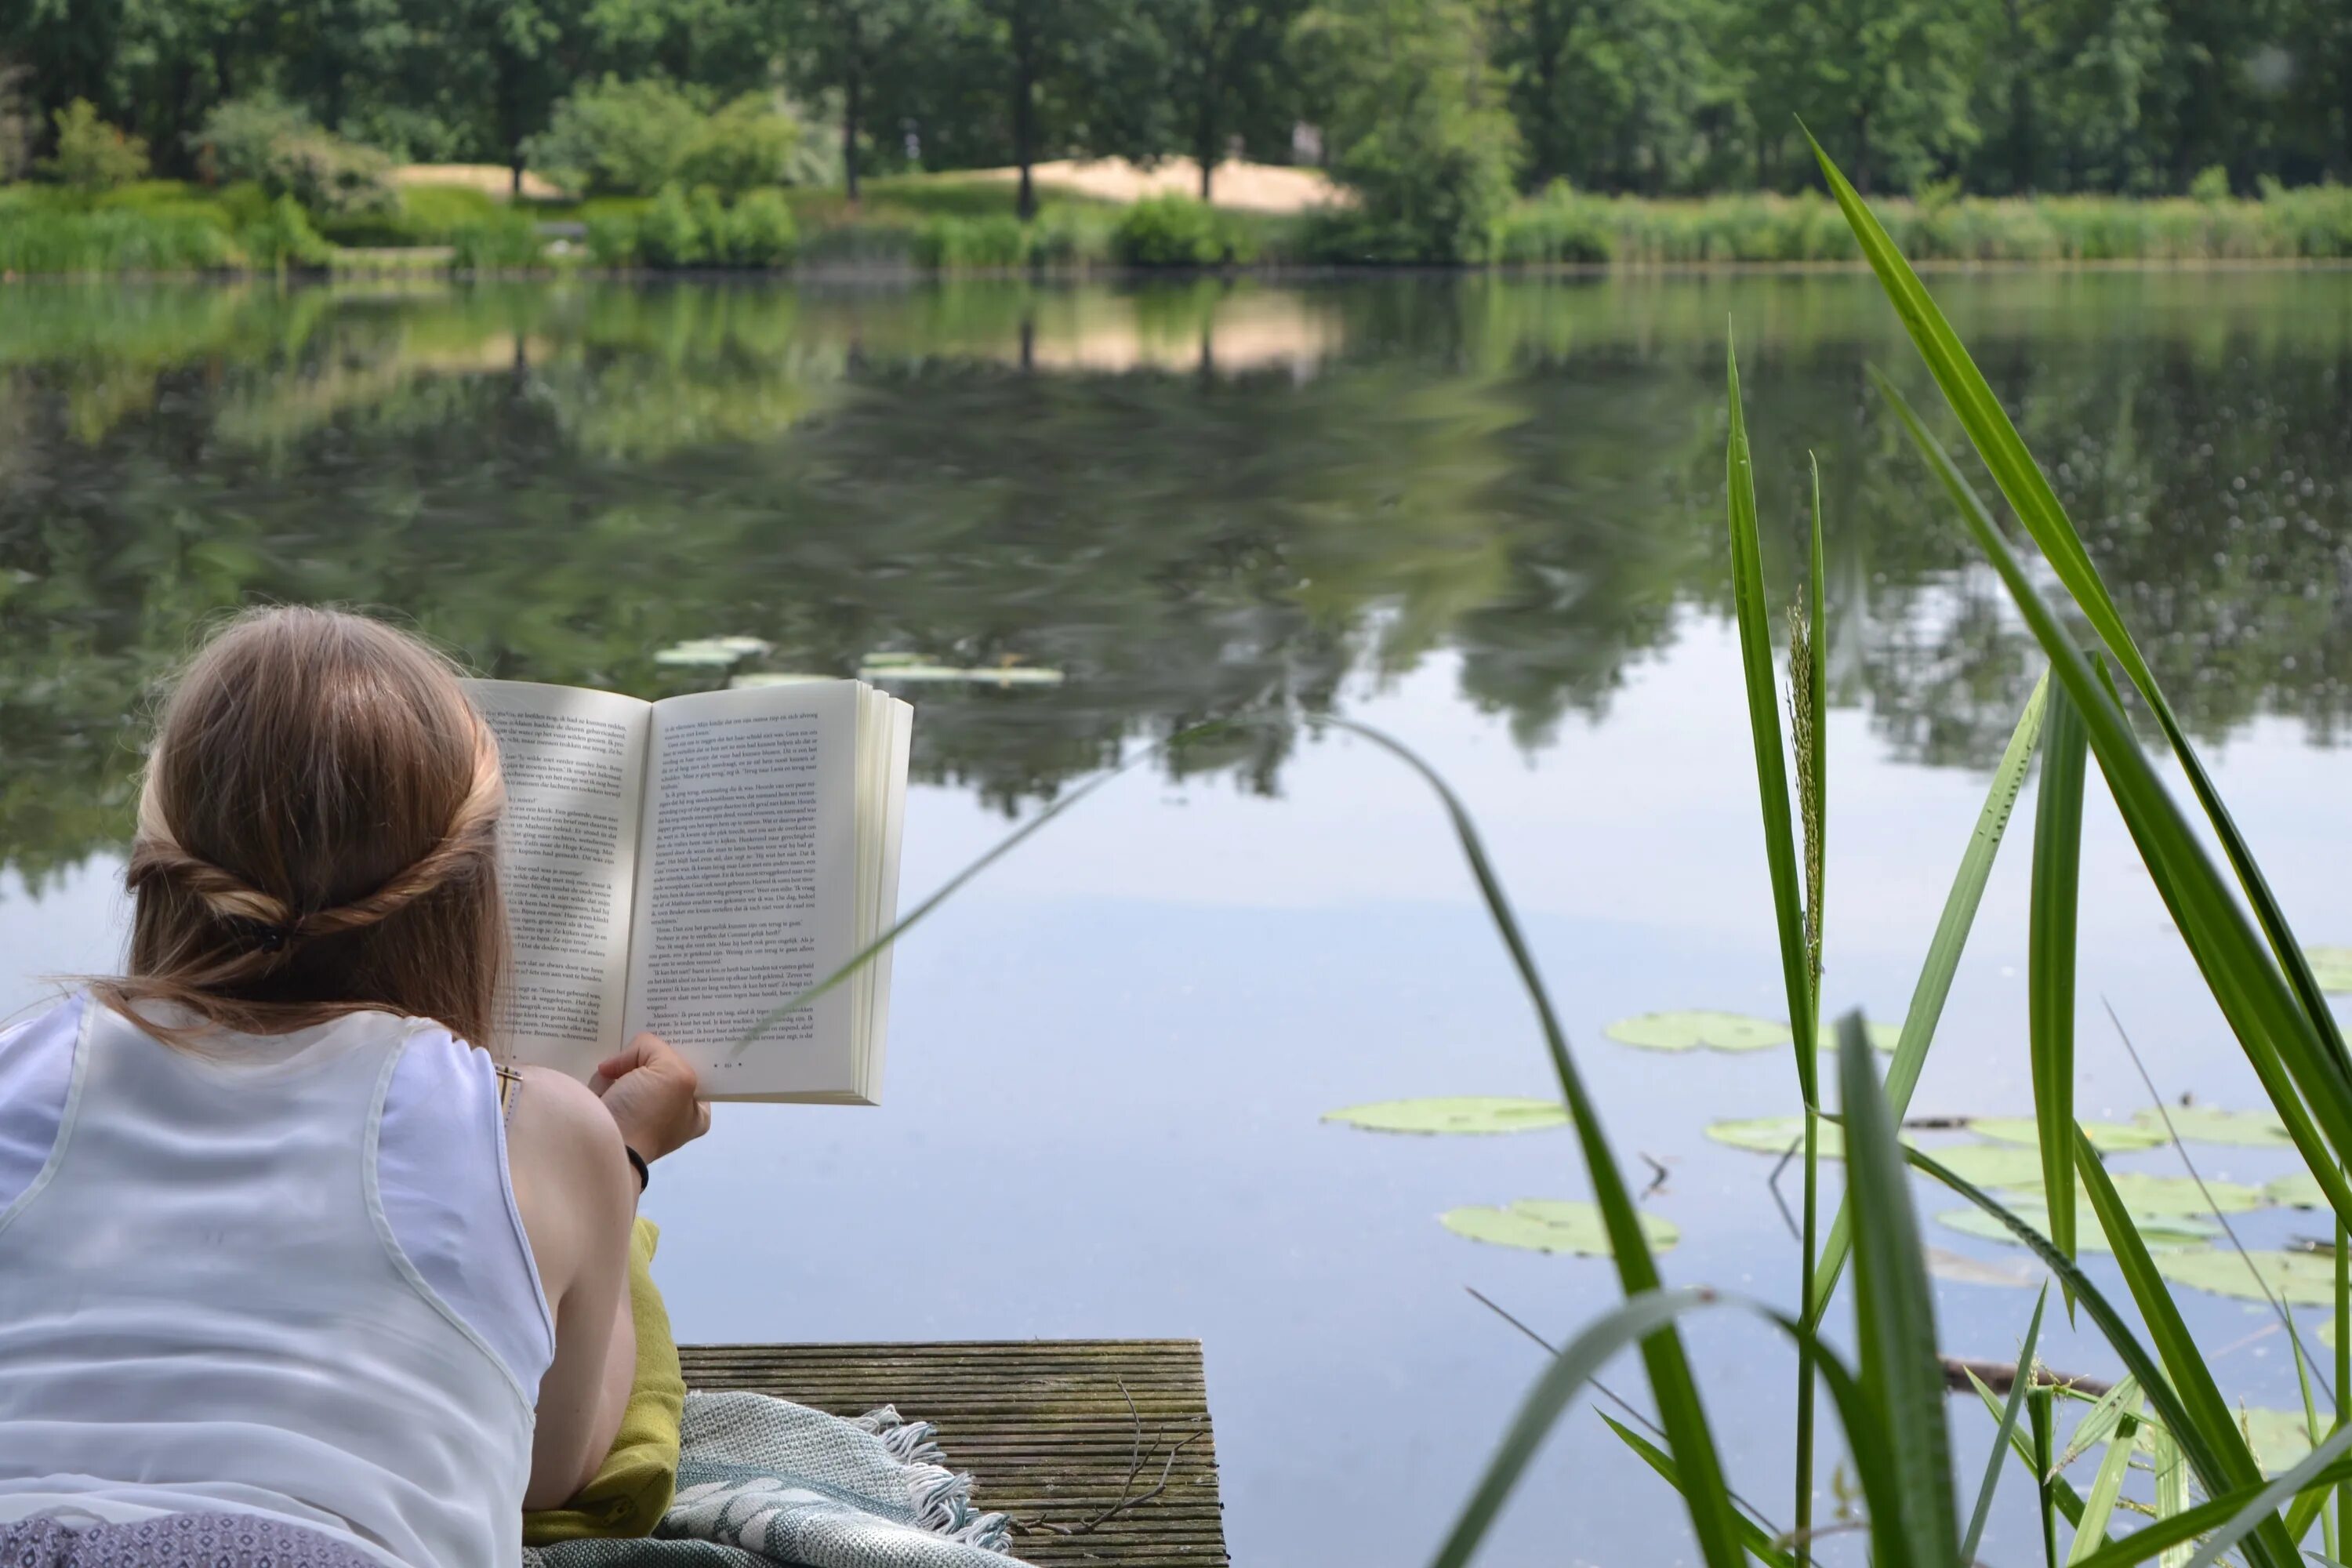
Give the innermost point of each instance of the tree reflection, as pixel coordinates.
(1198, 501)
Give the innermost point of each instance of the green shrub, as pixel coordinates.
(669, 235)
(966, 244)
(1558, 227)
(503, 242)
(1177, 231)
(747, 144)
(2212, 185)
(283, 238)
(614, 136)
(423, 215)
(91, 154)
(612, 239)
(1074, 235)
(876, 245)
(279, 148)
(758, 231)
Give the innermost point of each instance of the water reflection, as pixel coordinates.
(1197, 499)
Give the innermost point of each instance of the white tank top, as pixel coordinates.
(203, 1306)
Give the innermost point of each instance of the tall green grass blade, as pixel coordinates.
(1676, 1391)
(1809, 684)
(2007, 1431)
(1894, 1313)
(2049, 982)
(1749, 604)
(1995, 438)
(2022, 1443)
(2100, 1421)
(2261, 1511)
(2105, 1487)
(1753, 1533)
(2343, 1521)
(2171, 1473)
(2203, 1427)
(2217, 1453)
(2311, 1426)
(1816, 675)
(2170, 1534)
(1935, 982)
(2270, 1025)
(2040, 1406)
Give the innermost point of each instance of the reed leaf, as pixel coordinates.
(2217, 1454)
(2020, 479)
(2049, 982)
(1935, 982)
(1894, 1308)
(2203, 1427)
(2168, 1534)
(2293, 1065)
(2261, 1511)
(1749, 602)
(2006, 1431)
(2171, 1488)
(2025, 1446)
(2105, 1487)
(1753, 1533)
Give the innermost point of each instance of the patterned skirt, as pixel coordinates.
(175, 1540)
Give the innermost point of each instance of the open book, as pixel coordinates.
(689, 866)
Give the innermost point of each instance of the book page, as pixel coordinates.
(746, 893)
(574, 764)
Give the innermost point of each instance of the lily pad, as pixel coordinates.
(1883, 1037)
(710, 653)
(2301, 1191)
(1991, 1164)
(1775, 1134)
(2203, 1124)
(1461, 1113)
(2109, 1137)
(2157, 1231)
(1699, 1029)
(987, 675)
(1961, 1270)
(1551, 1225)
(2331, 966)
(2180, 1198)
(2280, 1439)
(2304, 1278)
(752, 677)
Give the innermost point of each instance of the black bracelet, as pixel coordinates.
(637, 1164)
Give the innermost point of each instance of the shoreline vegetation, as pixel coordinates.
(966, 225)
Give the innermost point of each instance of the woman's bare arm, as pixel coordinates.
(577, 1195)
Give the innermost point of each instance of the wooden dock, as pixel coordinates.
(1100, 1449)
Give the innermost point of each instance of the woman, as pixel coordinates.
(291, 1273)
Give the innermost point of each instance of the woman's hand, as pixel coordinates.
(650, 1090)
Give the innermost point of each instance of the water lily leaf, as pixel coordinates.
(2301, 1189)
(2280, 1439)
(884, 659)
(2181, 1197)
(990, 675)
(1460, 1113)
(1961, 1270)
(2303, 1278)
(1883, 1037)
(774, 678)
(1550, 1224)
(2156, 1231)
(1699, 1029)
(1777, 1134)
(710, 653)
(2204, 1124)
(2110, 1137)
(1991, 1164)
(2331, 966)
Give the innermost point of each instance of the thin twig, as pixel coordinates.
(1772, 1185)
(1658, 1173)
(1128, 1498)
(2001, 1376)
(2228, 1229)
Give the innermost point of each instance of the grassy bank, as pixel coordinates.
(945, 224)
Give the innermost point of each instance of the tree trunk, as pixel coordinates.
(849, 105)
(1024, 110)
(1204, 134)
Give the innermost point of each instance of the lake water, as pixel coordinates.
(1484, 515)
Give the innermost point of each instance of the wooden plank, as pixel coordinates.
(1100, 1449)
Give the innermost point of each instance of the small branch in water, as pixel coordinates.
(1657, 1173)
(1772, 1185)
(2001, 1376)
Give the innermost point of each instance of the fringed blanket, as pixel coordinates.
(763, 1482)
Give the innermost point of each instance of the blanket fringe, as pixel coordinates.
(942, 1498)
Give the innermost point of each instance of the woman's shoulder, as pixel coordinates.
(59, 1016)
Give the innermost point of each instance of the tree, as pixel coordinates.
(1609, 94)
(91, 154)
(843, 47)
(1884, 83)
(1069, 70)
(1413, 122)
(1228, 73)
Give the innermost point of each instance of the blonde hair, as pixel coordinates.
(317, 836)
